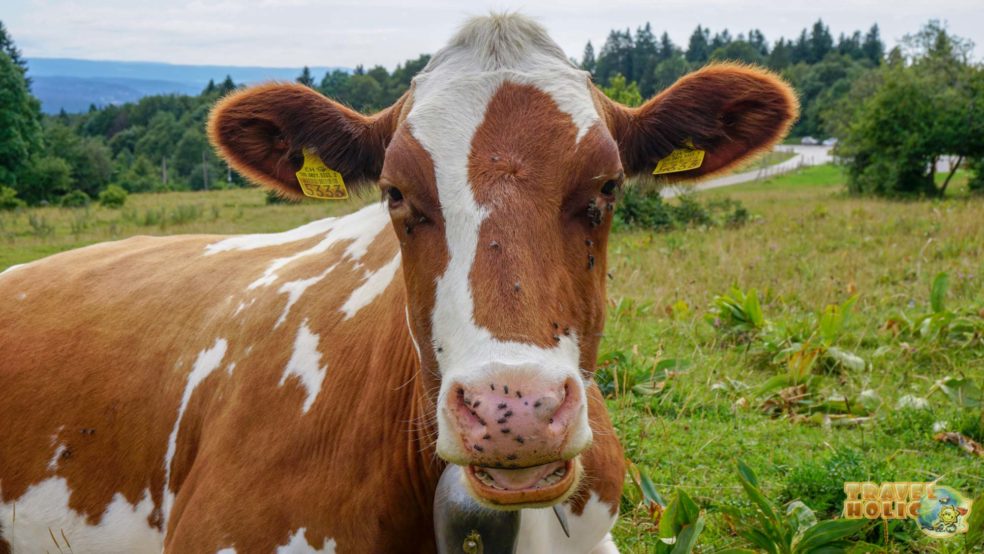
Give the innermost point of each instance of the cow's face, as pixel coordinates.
(501, 186)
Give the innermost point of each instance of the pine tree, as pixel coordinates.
(873, 47)
(20, 123)
(821, 42)
(305, 77)
(588, 59)
(699, 47)
(8, 47)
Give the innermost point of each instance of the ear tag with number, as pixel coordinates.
(681, 159)
(320, 181)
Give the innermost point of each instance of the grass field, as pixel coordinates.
(807, 245)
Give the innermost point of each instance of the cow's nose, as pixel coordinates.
(516, 418)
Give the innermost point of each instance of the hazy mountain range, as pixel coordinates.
(74, 85)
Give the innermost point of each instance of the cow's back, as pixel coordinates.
(136, 368)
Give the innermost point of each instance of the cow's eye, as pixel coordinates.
(394, 197)
(609, 188)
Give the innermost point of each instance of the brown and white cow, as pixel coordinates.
(302, 391)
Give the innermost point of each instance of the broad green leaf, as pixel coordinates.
(750, 483)
(963, 392)
(687, 538)
(673, 365)
(827, 532)
(937, 295)
(754, 309)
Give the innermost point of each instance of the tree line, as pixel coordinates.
(158, 143)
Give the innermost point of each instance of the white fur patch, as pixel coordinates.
(305, 365)
(208, 360)
(59, 450)
(299, 545)
(42, 521)
(463, 76)
(540, 532)
(361, 228)
(295, 289)
(374, 285)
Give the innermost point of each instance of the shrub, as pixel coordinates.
(9, 200)
(114, 196)
(643, 210)
(640, 208)
(976, 182)
(819, 483)
(75, 199)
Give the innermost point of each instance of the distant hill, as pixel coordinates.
(74, 85)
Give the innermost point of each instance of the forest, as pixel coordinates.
(159, 142)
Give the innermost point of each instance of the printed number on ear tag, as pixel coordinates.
(318, 180)
(681, 159)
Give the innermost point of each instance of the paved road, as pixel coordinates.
(803, 156)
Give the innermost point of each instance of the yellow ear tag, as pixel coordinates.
(318, 180)
(681, 159)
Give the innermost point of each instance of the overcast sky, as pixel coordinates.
(292, 33)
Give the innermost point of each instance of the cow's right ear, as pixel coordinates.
(262, 132)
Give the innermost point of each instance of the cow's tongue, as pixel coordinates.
(525, 478)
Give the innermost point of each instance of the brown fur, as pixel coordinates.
(731, 111)
(99, 350)
(263, 130)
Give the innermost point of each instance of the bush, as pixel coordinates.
(114, 196)
(976, 182)
(643, 210)
(9, 200)
(75, 199)
(646, 209)
(820, 483)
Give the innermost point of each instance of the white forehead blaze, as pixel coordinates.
(450, 99)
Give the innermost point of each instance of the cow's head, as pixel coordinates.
(501, 168)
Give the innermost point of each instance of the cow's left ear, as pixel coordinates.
(263, 131)
(729, 111)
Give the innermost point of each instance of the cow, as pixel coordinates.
(303, 391)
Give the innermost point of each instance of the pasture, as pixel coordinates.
(690, 394)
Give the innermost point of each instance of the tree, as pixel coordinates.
(872, 47)
(739, 50)
(334, 84)
(588, 58)
(699, 46)
(669, 70)
(781, 55)
(20, 127)
(46, 179)
(918, 114)
(615, 57)
(305, 77)
(8, 47)
(821, 42)
(623, 92)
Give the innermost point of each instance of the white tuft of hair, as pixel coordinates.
(499, 41)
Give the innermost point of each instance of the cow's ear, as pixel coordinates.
(729, 111)
(264, 130)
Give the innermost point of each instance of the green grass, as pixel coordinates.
(808, 245)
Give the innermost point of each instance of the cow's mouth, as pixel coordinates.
(525, 487)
